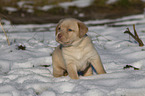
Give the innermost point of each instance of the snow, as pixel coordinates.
(111, 1)
(22, 72)
(10, 9)
(46, 7)
(78, 3)
(27, 5)
(22, 3)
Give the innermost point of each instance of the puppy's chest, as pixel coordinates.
(80, 55)
(77, 55)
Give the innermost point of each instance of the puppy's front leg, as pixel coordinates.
(72, 71)
(97, 64)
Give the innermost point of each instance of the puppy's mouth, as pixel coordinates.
(64, 41)
(67, 43)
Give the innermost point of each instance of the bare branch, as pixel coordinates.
(135, 33)
(135, 36)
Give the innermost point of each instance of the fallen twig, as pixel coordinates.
(4, 32)
(129, 66)
(135, 36)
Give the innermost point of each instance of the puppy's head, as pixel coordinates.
(70, 30)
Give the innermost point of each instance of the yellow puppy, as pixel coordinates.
(75, 52)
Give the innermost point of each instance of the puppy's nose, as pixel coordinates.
(59, 36)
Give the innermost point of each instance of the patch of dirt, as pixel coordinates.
(57, 13)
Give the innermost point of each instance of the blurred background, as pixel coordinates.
(50, 11)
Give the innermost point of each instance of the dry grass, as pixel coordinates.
(5, 33)
(13, 3)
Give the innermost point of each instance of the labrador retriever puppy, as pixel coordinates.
(76, 53)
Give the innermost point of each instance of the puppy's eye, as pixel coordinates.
(70, 30)
(59, 28)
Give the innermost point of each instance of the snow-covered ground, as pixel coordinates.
(22, 72)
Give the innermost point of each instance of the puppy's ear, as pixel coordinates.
(83, 29)
(56, 29)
